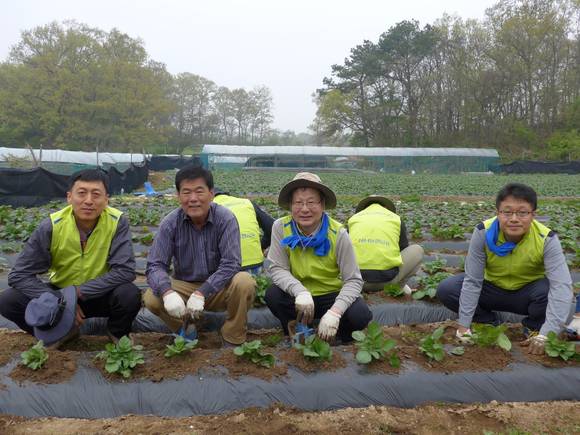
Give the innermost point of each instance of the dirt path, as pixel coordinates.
(492, 418)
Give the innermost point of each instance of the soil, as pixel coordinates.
(294, 358)
(474, 359)
(59, 368)
(209, 358)
(13, 343)
(541, 417)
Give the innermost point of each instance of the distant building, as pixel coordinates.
(404, 160)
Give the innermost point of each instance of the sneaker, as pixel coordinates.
(407, 290)
(73, 334)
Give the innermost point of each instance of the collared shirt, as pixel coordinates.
(210, 254)
(35, 259)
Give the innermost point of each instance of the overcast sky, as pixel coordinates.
(287, 46)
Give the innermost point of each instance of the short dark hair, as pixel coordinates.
(191, 173)
(89, 175)
(518, 191)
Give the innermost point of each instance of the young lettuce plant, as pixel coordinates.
(393, 290)
(180, 346)
(122, 357)
(429, 285)
(315, 348)
(431, 345)
(262, 284)
(253, 351)
(557, 348)
(373, 345)
(488, 335)
(35, 357)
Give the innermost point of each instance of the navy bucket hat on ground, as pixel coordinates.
(52, 315)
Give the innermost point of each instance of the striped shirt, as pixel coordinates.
(210, 255)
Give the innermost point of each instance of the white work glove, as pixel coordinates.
(305, 307)
(195, 305)
(328, 325)
(173, 304)
(575, 324)
(465, 337)
(536, 344)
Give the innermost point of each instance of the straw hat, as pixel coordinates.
(306, 179)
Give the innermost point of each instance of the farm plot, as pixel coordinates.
(405, 366)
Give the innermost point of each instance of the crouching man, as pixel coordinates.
(86, 250)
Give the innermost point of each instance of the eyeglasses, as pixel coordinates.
(519, 213)
(309, 204)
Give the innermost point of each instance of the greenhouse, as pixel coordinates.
(419, 160)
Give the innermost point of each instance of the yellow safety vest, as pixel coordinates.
(320, 275)
(245, 214)
(523, 265)
(375, 233)
(70, 264)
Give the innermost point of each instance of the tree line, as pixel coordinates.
(71, 86)
(510, 81)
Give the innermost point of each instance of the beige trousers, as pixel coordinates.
(412, 257)
(236, 299)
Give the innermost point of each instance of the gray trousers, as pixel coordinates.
(412, 257)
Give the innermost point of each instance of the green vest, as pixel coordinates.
(375, 233)
(320, 275)
(525, 263)
(70, 265)
(245, 214)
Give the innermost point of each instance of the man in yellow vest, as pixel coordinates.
(381, 245)
(514, 264)
(87, 251)
(251, 220)
(312, 264)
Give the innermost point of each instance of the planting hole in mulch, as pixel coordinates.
(14, 343)
(294, 358)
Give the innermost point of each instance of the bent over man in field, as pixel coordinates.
(514, 264)
(86, 249)
(251, 220)
(381, 245)
(202, 239)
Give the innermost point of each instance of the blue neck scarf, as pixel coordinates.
(491, 235)
(319, 241)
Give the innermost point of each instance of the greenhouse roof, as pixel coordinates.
(61, 156)
(245, 150)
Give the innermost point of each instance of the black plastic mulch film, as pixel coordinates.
(89, 395)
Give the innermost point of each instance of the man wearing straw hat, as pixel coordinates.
(381, 246)
(312, 264)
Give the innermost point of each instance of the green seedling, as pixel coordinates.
(556, 348)
(431, 345)
(429, 285)
(253, 351)
(393, 290)
(458, 351)
(484, 335)
(373, 345)
(35, 357)
(434, 266)
(122, 357)
(315, 348)
(180, 346)
(272, 340)
(262, 284)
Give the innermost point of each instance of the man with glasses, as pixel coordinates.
(514, 264)
(312, 264)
